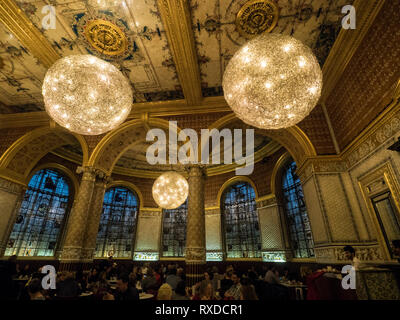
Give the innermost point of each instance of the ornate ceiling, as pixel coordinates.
(174, 52)
(132, 35)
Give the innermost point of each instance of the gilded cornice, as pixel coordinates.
(30, 37)
(176, 17)
(347, 43)
(152, 109)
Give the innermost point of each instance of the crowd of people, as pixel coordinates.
(108, 280)
(111, 281)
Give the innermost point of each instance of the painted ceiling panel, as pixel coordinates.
(129, 34)
(20, 76)
(315, 22)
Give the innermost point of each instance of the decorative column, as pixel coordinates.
(11, 196)
(93, 220)
(195, 255)
(77, 221)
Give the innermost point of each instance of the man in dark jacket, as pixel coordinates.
(124, 290)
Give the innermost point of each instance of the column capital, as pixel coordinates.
(196, 169)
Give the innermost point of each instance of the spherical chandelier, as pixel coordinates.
(273, 81)
(86, 95)
(170, 190)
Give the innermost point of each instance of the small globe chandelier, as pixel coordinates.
(86, 95)
(273, 81)
(170, 190)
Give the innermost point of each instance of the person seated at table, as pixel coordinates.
(208, 277)
(25, 271)
(180, 292)
(247, 290)
(172, 279)
(208, 292)
(124, 290)
(164, 292)
(252, 274)
(149, 281)
(226, 283)
(158, 276)
(82, 280)
(93, 275)
(99, 289)
(67, 287)
(350, 254)
(180, 273)
(35, 290)
(272, 276)
(233, 293)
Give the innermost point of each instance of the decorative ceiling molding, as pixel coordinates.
(347, 43)
(30, 37)
(176, 17)
(152, 109)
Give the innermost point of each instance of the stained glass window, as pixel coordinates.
(38, 226)
(174, 231)
(242, 231)
(118, 223)
(296, 213)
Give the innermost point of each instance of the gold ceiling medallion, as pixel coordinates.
(106, 37)
(256, 17)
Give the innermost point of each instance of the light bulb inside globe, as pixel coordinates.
(273, 81)
(170, 190)
(86, 95)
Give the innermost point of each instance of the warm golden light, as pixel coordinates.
(273, 81)
(86, 95)
(170, 190)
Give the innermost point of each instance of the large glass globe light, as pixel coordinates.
(170, 190)
(86, 95)
(273, 81)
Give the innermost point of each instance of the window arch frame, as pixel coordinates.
(73, 186)
(222, 192)
(139, 198)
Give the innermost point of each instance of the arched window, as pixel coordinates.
(296, 213)
(174, 231)
(242, 232)
(38, 226)
(118, 223)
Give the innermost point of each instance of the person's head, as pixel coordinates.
(208, 276)
(396, 247)
(172, 271)
(235, 278)
(214, 269)
(149, 272)
(34, 287)
(63, 275)
(122, 282)
(229, 275)
(165, 292)
(349, 252)
(94, 271)
(26, 267)
(181, 288)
